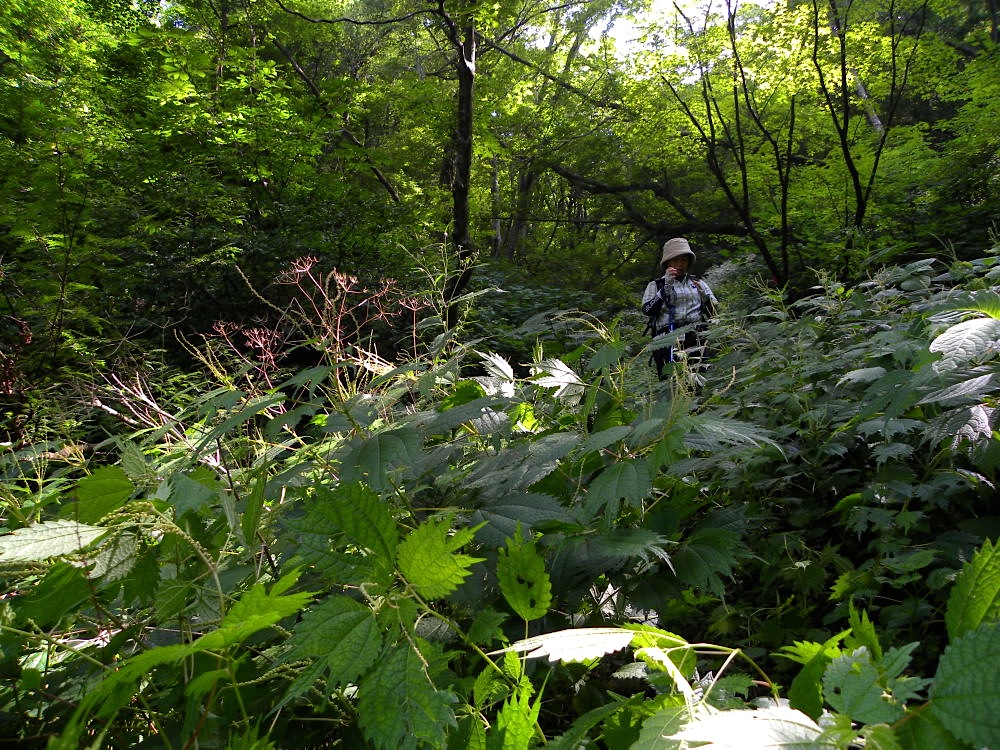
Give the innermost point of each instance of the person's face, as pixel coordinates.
(677, 267)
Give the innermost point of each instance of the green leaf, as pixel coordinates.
(922, 729)
(257, 609)
(374, 459)
(464, 392)
(705, 556)
(965, 696)
(853, 686)
(975, 597)
(363, 516)
(515, 723)
(667, 720)
(341, 631)
(46, 540)
(190, 494)
(427, 562)
(101, 493)
(628, 480)
(806, 690)
(399, 708)
(498, 518)
(524, 582)
(63, 588)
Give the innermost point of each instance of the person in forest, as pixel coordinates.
(677, 299)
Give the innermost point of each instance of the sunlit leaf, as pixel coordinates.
(427, 558)
(773, 728)
(577, 644)
(48, 539)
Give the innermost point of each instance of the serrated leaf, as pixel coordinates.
(115, 557)
(554, 373)
(497, 366)
(258, 608)
(343, 633)
(374, 459)
(427, 561)
(775, 727)
(665, 722)
(515, 724)
(971, 388)
(965, 696)
(188, 494)
(705, 556)
(967, 340)
(975, 597)
(46, 540)
(62, 588)
(523, 579)
(399, 708)
(575, 644)
(101, 493)
(806, 690)
(498, 519)
(629, 480)
(853, 686)
(604, 438)
(363, 516)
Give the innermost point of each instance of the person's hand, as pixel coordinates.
(671, 273)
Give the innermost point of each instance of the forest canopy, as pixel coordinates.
(326, 410)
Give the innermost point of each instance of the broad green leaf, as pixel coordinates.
(464, 392)
(776, 727)
(922, 729)
(363, 516)
(189, 494)
(498, 518)
(576, 644)
(497, 366)
(975, 597)
(48, 539)
(971, 388)
(341, 632)
(114, 558)
(523, 579)
(101, 493)
(965, 696)
(375, 458)
(63, 588)
(853, 686)
(399, 708)
(705, 556)
(606, 356)
(667, 720)
(967, 340)
(628, 480)
(604, 438)
(427, 561)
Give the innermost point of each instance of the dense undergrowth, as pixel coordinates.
(791, 548)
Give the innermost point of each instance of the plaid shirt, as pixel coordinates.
(686, 297)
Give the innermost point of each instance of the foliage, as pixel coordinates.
(302, 564)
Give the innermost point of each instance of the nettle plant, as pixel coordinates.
(308, 565)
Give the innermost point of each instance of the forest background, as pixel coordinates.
(318, 328)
